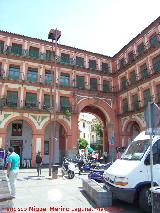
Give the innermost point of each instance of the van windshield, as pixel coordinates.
(136, 150)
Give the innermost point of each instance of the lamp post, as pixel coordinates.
(54, 35)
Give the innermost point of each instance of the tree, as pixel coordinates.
(98, 129)
(82, 143)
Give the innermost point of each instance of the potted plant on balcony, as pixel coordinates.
(67, 113)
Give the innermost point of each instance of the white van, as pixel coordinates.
(129, 177)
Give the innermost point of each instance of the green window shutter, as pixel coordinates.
(141, 48)
(135, 103)
(65, 79)
(144, 71)
(156, 63)
(80, 82)
(14, 72)
(133, 77)
(32, 74)
(106, 86)
(122, 63)
(50, 55)
(48, 76)
(147, 97)
(31, 100)
(158, 92)
(65, 58)
(124, 83)
(16, 49)
(93, 84)
(1, 46)
(92, 64)
(153, 40)
(104, 67)
(12, 99)
(64, 103)
(79, 62)
(34, 52)
(46, 101)
(125, 105)
(130, 56)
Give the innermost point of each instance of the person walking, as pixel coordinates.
(38, 163)
(12, 170)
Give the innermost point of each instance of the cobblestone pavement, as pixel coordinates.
(55, 195)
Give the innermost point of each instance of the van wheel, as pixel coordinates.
(145, 200)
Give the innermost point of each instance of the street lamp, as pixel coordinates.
(54, 35)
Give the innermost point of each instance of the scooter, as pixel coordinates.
(69, 168)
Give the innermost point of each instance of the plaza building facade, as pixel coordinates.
(114, 89)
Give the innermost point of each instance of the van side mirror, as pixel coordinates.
(147, 160)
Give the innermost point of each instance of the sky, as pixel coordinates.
(100, 26)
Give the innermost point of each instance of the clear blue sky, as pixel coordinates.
(102, 26)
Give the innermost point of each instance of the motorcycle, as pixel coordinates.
(69, 168)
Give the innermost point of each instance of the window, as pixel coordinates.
(46, 147)
(141, 49)
(32, 74)
(147, 97)
(12, 99)
(64, 103)
(34, 52)
(65, 80)
(65, 58)
(46, 104)
(79, 61)
(158, 92)
(1, 73)
(122, 63)
(133, 77)
(1, 46)
(80, 82)
(93, 84)
(156, 63)
(83, 125)
(130, 56)
(84, 135)
(16, 49)
(31, 100)
(92, 64)
(106, 86)
(104, 67)
(125, 105)
(153, 40)
(144, 71)
(48, 76)
(49, 55)
(16, 129)
(14, 72)
(123, 83)
(156, 154)
(135, 103)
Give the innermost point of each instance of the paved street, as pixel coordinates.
(67, 195)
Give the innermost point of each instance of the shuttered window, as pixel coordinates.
(123, 83)
(104, 67)
(65, 79)
(92, 64)
(16, 49)
(34, 52)
(31, 100)
(80, 82)
(12, 99)
(1, 46)
(133, 77)
(156, 63)
(141, 48)
(65, 58)
(130, 56)
(93, 84)
(48, 76)
(64, 103)
(143, 71)
(49, 55)
(153, 40)
(46, 104)
(125, 105)
(158, 92)
(146, 96)
(14, 72)
(135, 103)
(106, 86)
(79, 61)
(122, 63)
(32, 74)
